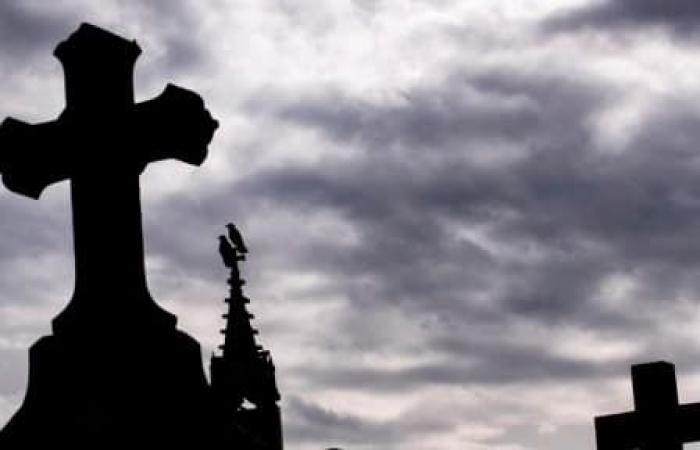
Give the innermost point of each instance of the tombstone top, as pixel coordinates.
(98, 68)
(102, 142)
(101, 131)
(91, 41)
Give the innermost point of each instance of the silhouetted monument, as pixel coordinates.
(116, 372)
(658, 421)
(244, 371)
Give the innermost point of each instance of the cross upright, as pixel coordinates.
(101, 142)
(658, 421)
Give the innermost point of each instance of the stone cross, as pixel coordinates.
(658, 421)
(101, 142)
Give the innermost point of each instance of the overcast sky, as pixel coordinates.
(466, 218)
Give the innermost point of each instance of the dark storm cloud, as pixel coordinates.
(680, 16)
(564, 215)
(422, 119)
(471, 206)
(414, 183)
(585, 211)
(496, 364)
(178, 26)
(175, 28)
(310, 423)
(26, 30)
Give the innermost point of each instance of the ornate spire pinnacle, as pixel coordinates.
(244, 372)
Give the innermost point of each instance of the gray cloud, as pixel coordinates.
(562, 213)
(496, 364)
(568, 214)
(177, 26)
(466, 206)
(587, 212)
(311, 423)
(412, 185)
(680, 16)
(32, 230)
(25, 30)
(13, 370)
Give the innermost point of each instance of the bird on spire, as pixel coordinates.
(236, 238)
(228, 253)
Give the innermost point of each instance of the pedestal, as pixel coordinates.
(135, 390)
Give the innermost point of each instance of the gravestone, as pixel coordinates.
(116, 372)
(658, 421)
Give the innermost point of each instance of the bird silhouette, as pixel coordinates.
(236, 238)
(228, 253)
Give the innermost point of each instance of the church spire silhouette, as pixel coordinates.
(243, 376)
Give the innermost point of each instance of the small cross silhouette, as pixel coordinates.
(658, 422)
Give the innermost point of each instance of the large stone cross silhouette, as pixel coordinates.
(658, 421)
(102, 142)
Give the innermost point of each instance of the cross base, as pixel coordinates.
(139, 314)
(112, 391)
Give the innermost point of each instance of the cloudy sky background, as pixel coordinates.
(467, 218)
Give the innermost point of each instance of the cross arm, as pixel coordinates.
(689, 421)
(617, 432)
(31, 155)
(174, 125)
